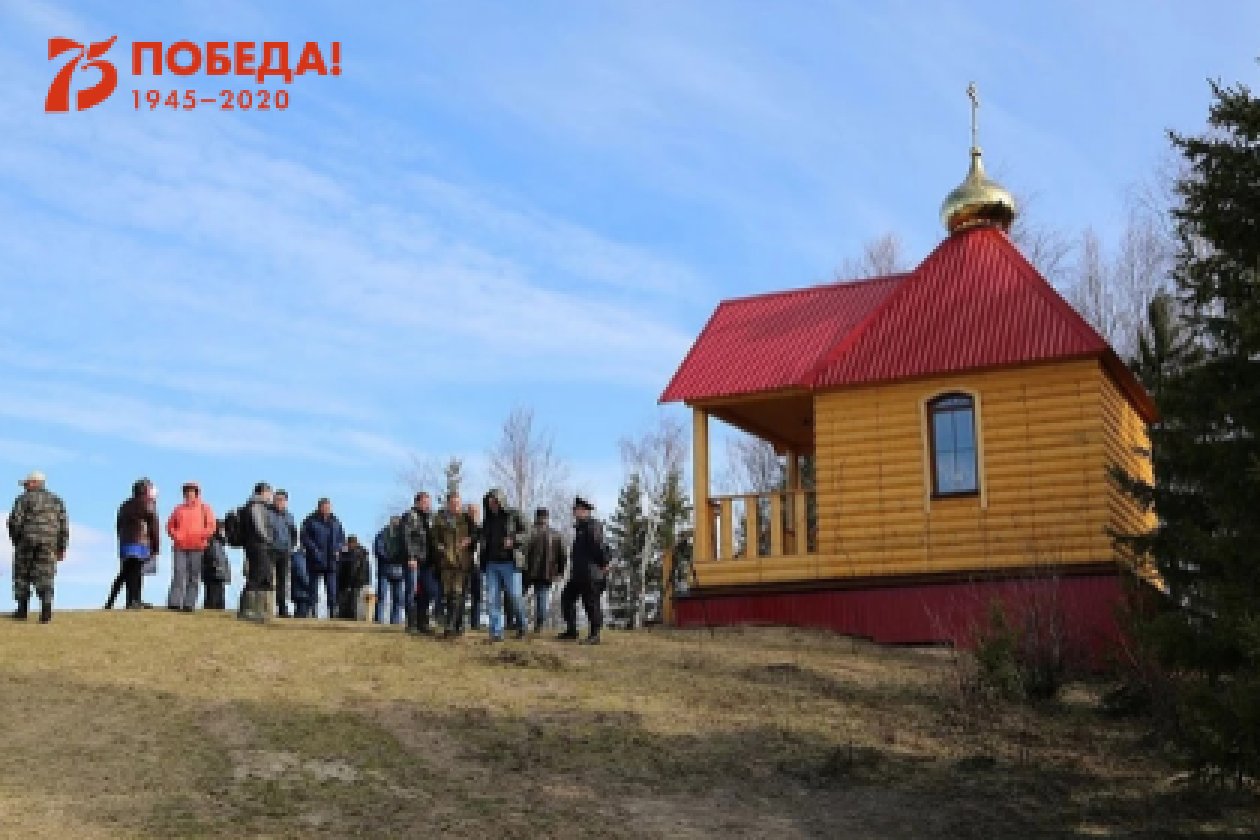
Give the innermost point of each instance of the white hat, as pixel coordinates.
(35, 475)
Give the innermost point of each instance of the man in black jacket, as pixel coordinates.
(503, 541)
(417, 522)
(589, 564)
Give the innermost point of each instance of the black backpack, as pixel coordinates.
(232, 529)
(234, 526)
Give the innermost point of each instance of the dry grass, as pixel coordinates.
(134, 725)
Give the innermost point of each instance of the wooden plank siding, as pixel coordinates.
(1046, 433)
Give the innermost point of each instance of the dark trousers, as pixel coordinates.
(587, 591)
(473, 586)
(430, 593)
(259, 570)
(216, 595)
(280, 562)
(133, 577)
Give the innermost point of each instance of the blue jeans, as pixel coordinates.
(300, 585)
(390, 583)
(329, 576)
(502, 577)
(542, 595)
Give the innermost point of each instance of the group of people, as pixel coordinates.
(431, 566)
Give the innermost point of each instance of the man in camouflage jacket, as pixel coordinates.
(40, 533)
(452, 537)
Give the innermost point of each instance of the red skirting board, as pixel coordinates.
(1086, 607)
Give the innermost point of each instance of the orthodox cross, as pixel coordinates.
(975, 106)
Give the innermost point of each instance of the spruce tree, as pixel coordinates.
(672, 507)
(627, 535)
(1201, 360)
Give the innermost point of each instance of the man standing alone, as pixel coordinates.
(40, 532)
(189, 526)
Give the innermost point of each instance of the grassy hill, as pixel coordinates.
(155, 724)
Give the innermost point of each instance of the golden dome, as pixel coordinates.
(978, 200)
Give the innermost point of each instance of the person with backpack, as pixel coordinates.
(216, 571)
(189, 526)
(589, 566)
(322, 539)
(503, 540)
(354, 572)
(139, 540)
(256, 534)
(390, 549)
(421, 584)
(284, 537)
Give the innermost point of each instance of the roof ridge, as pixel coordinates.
(817, 287)
(833, 355)
(1049, 293)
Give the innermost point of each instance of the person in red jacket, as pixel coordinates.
(190, 526)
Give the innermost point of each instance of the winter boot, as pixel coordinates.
(568, 635)
(45, 610)
(268, 605)
(250, 607)
(450, 624)
(23, 605)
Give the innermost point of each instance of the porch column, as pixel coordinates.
(793, 470)
(702, 543)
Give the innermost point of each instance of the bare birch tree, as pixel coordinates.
(525, 463)
(752, 466)
(654, 454)
(881, 256)
(1047, 248)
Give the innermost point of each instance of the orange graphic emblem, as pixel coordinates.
(59, 91)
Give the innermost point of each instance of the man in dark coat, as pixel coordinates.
(284, 537)
(503, 540)
(216, 571)
(323, 538)
(545, 560)
(422, 581)
(586, 578)
(354, 572)
(259, 537)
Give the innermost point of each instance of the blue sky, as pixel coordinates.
(501, 204)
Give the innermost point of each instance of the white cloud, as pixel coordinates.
(29, 455)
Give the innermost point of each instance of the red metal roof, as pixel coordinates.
(974, 302)
(773, 341)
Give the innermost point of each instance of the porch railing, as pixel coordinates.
(750, 525)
